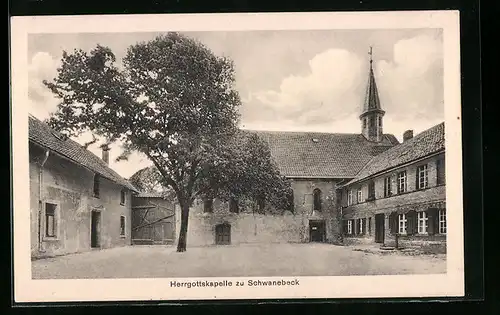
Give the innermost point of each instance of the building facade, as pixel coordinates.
(77, 202)
(401, 194)
(317, 164)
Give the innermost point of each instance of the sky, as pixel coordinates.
(288, 80)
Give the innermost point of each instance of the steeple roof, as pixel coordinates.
(372, 100)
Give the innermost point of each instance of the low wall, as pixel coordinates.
(247, 228)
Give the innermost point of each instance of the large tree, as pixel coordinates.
(173, 100)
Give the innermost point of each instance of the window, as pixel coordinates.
(402, 224)
(422, 222)
(422, 177)
(380, 121)
(387, 186)
(402, 184)
(208, 205)
(364, 122)
(123, 195)
(50, 220)
(360, 195)
(96, 190)
(349, 198)
(440, 170)
(442, 221)
(233, 206)
(349, 226)
(317, 199)
(122, 225)
(361, 223)
(371, 190)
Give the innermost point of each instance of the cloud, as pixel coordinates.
(329, 92)
(332, 92)
(42, 66)
(412, 84)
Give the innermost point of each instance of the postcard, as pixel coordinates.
(237, 156)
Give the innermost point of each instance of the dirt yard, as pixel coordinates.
(244, 260)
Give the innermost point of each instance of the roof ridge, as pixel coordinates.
(81, 155)
(393, 148)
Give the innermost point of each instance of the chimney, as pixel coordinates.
(407, 135)
(105, 153)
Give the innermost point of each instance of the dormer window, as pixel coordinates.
(97, 183)
(315, 140)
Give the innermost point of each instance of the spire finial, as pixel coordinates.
(371, 55)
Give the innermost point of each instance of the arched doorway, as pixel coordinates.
(223, 234)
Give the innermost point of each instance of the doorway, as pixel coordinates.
(223, 234)
(95, 229)
(379, 228)
(317, 231)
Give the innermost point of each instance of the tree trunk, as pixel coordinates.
(181, 245)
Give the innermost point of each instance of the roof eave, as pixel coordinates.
(355, 180)
(317, 177)
(80, 164)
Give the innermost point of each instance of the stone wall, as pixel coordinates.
(248, 226)
(69, 186)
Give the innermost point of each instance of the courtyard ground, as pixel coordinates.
(243, 260)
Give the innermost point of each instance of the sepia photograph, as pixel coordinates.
(243, 161)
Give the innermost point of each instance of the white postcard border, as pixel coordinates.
(29, 290)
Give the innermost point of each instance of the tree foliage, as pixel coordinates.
(172, 100)
(149, 180)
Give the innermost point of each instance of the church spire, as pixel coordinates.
(372, 114)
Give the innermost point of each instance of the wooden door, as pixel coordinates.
(158, 233)
(317, 231)
(95, 226)
(379, 228)
(223, 234)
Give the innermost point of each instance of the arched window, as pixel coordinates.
(208, 205)
(317, 199)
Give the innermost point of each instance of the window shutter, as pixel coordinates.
(416, 179)
(344, 226)
(431, 220)
(393, 222)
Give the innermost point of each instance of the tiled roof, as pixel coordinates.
(425, 143)
(43, 135)
(150, 195)
(322, 155)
